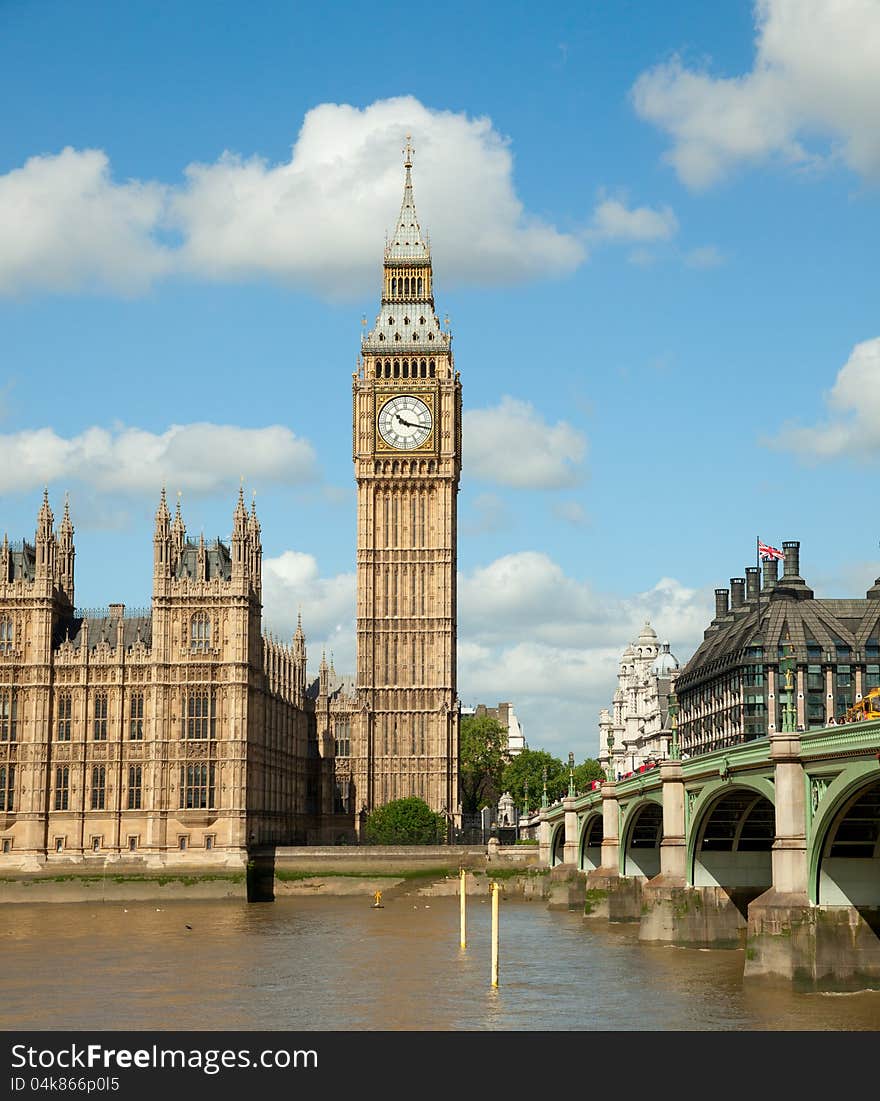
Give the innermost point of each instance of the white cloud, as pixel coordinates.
(547, 456)
(201, 458)
(65, 225)
(551, 644)
(572, 512)
(704, 258)
(614, 221)
(292, 584)
(528, 633)
(816, 74)
(317, 220)
(853, 425)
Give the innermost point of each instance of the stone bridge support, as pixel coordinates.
(674, 911)
(567, 881)
(816, 946)
(604, 884)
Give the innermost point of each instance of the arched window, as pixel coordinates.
(406, 368)
(406, 286)
(7, 786)
(99, 783)
(134, 787)
(431, 369)
(424, 369)
(197, 786)
(199, 723)
(419, 286)
(65, 712)
(8, 707)
(393, 286)
(62, 787)
(136, 716)
(99, 717)
(200, 633)
(397, 368)
(7, 635)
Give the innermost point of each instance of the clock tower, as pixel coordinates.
(407, 460)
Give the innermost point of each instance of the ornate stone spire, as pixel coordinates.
(66, 527)
(406, 242)
(406, 322)
(163, 516)
(45, 519)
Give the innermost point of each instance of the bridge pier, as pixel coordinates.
(671, 911)
(603, 883)
(821, 947)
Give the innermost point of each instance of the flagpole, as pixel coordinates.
(758, 564)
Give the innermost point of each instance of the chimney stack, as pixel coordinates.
(792, 552)
(720, 603)
(753, 582)
(771, 573)
(737, 592)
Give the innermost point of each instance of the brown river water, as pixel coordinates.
(339, 964)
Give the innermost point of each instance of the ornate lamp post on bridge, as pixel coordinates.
(571, 791)
(544, 794)
(609, 772)
(672, 707)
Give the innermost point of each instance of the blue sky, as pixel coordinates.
(655, 234)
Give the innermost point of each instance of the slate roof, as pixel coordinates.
(806, 623)
(104, 627)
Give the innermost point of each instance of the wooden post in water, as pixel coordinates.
(462, 884)
(495, 890)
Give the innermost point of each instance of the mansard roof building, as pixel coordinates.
(731, 689)
(178, 733)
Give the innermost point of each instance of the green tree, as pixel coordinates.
(405, 822)
(482, 756)
(529, 766)
(586, 773)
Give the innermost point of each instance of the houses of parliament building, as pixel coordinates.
(182, 733)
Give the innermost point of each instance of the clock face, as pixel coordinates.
(405, 422)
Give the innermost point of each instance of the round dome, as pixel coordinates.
(648, 634)
(666, 663)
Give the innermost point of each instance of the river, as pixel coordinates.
(339, 964)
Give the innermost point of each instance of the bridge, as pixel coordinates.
(772, 846)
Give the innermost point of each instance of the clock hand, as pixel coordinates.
(409, 424)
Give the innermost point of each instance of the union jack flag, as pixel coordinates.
(769, 552)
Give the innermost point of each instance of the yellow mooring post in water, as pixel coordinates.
(462, 878)
(495, 889)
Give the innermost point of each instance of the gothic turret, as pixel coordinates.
(162, 539)
(66, 554)
(239, 538)
(256, 548)
(45, 543)
(299, 658)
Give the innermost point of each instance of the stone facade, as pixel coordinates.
(504, 714)
(179, 733)
(407, 459)
(732, 689)
(638, 729)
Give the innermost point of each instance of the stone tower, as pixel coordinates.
(407, 459)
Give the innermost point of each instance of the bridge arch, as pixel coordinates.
(590, 846)
(557, 845)
(641, 836)
(731, 837)
(844, 858)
